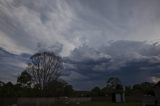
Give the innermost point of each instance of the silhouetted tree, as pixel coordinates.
(147, 88)
(24, 79)
(68, 90)
(158, 84)
(143, 88)
(56, 88)
(114, 83)
(8, 90)
(1, 83)
(96, 91)
(1, 88)
(44, 67)
(128, 90)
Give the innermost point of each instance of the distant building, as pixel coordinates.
(119, 96)
(153, 100)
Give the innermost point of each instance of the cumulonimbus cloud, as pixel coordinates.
(96, 39)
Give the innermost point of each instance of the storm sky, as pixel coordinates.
(97, 39)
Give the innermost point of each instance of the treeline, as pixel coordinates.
(41, 78)
(61, 88)
(114, 85)
(145, 88)
(56, 89)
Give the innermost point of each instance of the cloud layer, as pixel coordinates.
(131, 61)
(98, 38)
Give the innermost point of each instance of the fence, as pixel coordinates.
(41, 101)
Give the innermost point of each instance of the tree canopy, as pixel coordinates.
(44, 67)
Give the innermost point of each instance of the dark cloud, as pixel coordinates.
(57, 47)
(96, 38)
(131, 61)
(11, 65)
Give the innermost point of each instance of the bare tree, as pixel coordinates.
(44, 67)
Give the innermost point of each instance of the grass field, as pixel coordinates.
(109, 104)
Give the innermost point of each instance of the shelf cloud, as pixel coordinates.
(97, 39)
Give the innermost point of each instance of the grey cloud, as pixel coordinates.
(117, 20)
(87, 67)
(23, 26)
(70, 22)
(97, 38)
(127, 60)
(88, 55)
(11, 65)
(57, 47)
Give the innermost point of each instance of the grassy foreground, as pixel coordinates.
(109, 104)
